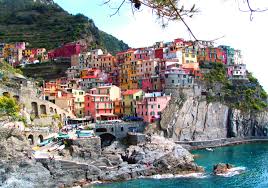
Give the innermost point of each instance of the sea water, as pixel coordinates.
(251, 170)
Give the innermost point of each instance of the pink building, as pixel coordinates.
(152, 105)
(151, 84)
(99, 102)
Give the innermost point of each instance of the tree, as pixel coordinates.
(174, 10)
(8, 107)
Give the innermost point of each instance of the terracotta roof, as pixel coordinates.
(131, 91)
(86, 77)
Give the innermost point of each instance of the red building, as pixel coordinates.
(66, 50)
(158, 53)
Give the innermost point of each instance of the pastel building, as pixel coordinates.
(73, 84)
(73, 72)
(130, 98)
(99, 102)
(189, 58)
(91, 78)
(152, 106)
(229, 52)
(239, 71)
(211, 55)
(175, 77)
(238, 59)
(65, 101)
(79, 100)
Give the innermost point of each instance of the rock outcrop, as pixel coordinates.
(194, 119)
(87, 162)
(221, 168)
(16, 169)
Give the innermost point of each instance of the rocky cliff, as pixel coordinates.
(190, 117)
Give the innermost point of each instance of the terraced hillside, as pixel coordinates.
(42, 23)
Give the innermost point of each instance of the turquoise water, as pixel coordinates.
(252, 156)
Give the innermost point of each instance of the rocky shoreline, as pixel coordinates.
(84, 163)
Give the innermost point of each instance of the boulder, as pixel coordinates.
(221, 168)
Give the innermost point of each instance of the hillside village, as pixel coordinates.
(133, 83)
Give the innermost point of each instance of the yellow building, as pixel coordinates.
(79, 101)
(127, 72)
(189, 58)
(8, 50)
(130, 98)
(27, 53)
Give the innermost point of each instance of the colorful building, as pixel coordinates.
(211, 55)
(127, 74)
(238, 59)
(175, 77)
(189, 58)
(65, 101)
(66, 50)
(229, 53)
(238, 71)
(152, 106)
(79, 100)
(130, 98)
(99, 102)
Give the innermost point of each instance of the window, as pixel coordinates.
(122, 128)
(187, 61)
(186, 55)
(193, 56)
(159, 106)
(172, 81)
(152, 106)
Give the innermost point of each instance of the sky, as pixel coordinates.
(217, 18)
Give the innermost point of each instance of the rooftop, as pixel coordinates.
(131, 92)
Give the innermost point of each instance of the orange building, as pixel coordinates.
(210, 55)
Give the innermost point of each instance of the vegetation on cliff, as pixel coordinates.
(8, 107)
(240, 94)
(45, 24)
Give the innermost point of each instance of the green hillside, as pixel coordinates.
(43, 23)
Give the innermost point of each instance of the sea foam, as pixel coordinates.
(168, 176)
(233, 171)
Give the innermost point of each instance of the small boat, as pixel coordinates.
(61, 147)
(44, 143)
(63, 136)
(209, 149)
(84, 133)
(53, 148)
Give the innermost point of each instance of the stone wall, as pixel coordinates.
(135, 138)
(36, 106)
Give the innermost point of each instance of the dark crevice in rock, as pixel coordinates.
(206, 116)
